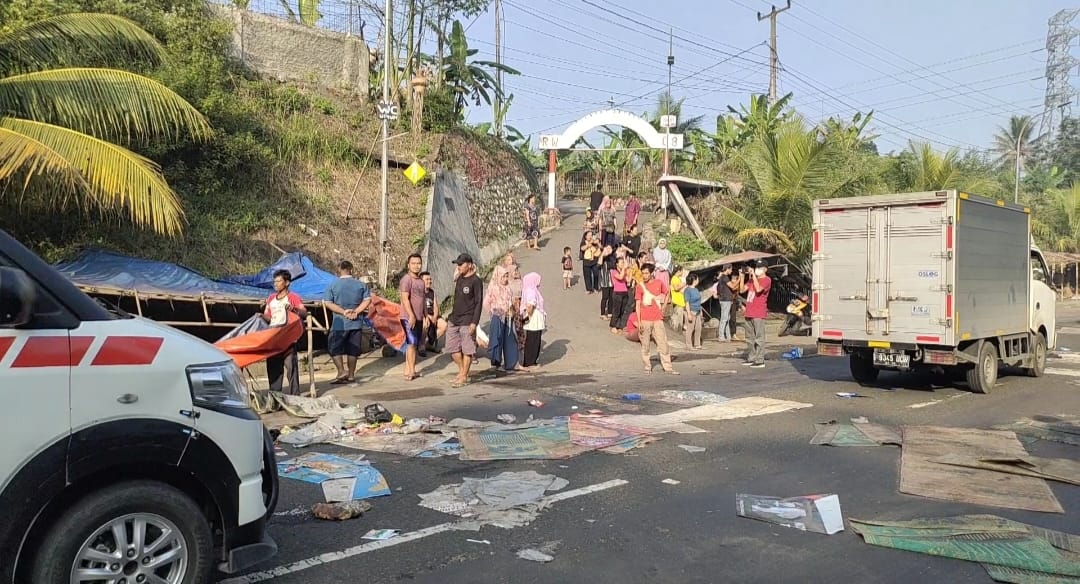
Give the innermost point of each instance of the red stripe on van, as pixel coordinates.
(832, 333)
(928, 339)
(5, 344)
(53, 351)
(128, 351)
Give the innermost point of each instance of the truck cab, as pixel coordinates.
(131, 452)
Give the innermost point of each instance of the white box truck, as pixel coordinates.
(936, 279)
(130, 452)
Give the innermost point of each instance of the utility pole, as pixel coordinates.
(669, 101)
(384, 207)
(497, 122)
(1019, 137)
(774, 61)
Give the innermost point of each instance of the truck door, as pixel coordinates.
(1043, 300)
(909, 274)
(35, 374)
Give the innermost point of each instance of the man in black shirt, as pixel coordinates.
(596, 197)
(431, 316)
(725, 295)
(633, 241)
(464, 317)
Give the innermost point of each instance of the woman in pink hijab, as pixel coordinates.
(502, 343)
(532, 310)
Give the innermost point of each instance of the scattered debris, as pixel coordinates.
(318, 468)
(632, 396)
(508, 500)
(670, 482)
(689, 448)
(594, 412)
(381, 534)
(862, 433)
(573, 407)
(340, 511)
(690, 397)
(921, 475)
(794, 353)
(506, 418)
(817, 513)
(1010, 551)
(717, 372)
(1064, 429)
(536, 403)
(1063, 470)
(483, 541)
(848, 394)
(449, 448)
(535, 556)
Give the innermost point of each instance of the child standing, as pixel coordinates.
(567, 268)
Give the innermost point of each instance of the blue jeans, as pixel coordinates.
(502, 343)
(724, 332)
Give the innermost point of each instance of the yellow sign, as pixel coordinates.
(415, 173)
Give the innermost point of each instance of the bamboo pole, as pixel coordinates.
(311, 357)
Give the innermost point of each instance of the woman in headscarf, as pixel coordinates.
(661, 256)
(532, 310)
(591, 224)
(502, 343)
(531, 230)
(608, 223)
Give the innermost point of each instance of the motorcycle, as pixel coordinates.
(798, 321)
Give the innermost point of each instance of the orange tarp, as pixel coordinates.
(251, 348)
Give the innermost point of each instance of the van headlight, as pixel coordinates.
(218, 385)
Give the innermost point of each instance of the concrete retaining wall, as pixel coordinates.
(290, 51)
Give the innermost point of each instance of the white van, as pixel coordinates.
(130, 452)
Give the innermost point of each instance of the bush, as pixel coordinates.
(686, 247)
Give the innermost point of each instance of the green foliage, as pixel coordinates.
(685, 247)
(470, 78)
(440, 113)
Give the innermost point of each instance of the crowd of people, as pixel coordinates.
(640, 289)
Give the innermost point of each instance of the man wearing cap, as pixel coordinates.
(725, 290)
(464, 317)
(756, 286)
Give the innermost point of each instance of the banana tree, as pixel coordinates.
(760, 118)
(471, 78)
(306, 13)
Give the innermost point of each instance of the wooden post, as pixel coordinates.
(311, 358)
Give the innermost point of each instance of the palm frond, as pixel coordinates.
(106, 103)
(773, 236)
(76, 39)
(117, 178)
(23, 156)
(309, 12)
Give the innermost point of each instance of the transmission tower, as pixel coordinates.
(1059, 65)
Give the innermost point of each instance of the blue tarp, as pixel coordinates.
(309, 281)
(112, 270)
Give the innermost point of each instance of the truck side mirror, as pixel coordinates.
(17, 295)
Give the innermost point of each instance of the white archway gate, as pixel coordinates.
(609, 117)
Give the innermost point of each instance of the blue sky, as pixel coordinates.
(947, 71)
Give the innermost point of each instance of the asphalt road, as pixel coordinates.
(647, 531)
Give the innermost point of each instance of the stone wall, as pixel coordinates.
(290, 51)
(475, 207)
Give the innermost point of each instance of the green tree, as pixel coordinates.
(1018, 132)
(471, 78)
(66, 117)
(1058, 225)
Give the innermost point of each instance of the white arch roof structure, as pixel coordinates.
(611, 117)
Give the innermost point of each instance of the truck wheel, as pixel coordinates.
(135, 533)
(862, 369)
(983, 375)
(1038, 358)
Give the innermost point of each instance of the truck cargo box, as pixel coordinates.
(932, 268)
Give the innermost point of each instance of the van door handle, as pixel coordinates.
(854, 297)
(904, 298)
(127, 398)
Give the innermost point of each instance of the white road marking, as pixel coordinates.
(937, 401)
(364, 548)
(1066, 372)
(1067, 356)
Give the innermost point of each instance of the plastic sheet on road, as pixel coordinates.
(510, 499)
(832, 433)
(317, 468)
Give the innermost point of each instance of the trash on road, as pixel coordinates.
(318, 468)
(506, 418)
(449, 448)
(510, 499)
(535, 556)
(794, 353)
(632, 396)
(381, 534)
(340, 511)
(1064, 429)
(864, 433)
(483, 541)
(690, 448)
(717, 372)
(1010, 551)
(921, 475)
(671, 482)
(1063, 470)
(678, 397)
(848, 394)
(817, 513)
(536, 403)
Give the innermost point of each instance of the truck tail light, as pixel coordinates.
(939, 357)
(817, 241)
(830, 349)
(814, 304)
(948, 306)
(949, 237)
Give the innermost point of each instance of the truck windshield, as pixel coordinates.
(1038, 268)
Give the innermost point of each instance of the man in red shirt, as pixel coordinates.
(756, 286)
(650, 298)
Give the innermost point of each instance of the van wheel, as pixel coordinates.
(982, 377)
(862, 369)
(130, 533)
(1038, 359)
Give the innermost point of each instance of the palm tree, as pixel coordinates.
(1006, 140)
(470, 78)
(65, 123)
(934, 172)
(1060, 225)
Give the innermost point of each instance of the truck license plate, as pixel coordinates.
(892, 358)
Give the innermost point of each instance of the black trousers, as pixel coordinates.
(591, 273)
(432, 335)
(281, 366)
(618, 310)
(532, 348)
(605, 301)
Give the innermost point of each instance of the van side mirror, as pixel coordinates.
(17, 296)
